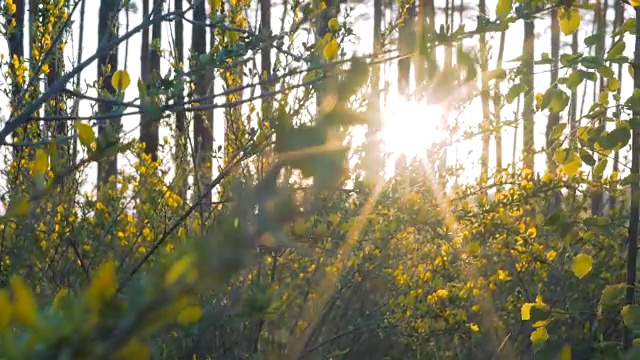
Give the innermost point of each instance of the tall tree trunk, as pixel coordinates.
(497, 104)
(373, 161)
(406, 44)
(528, 148)
(597, 197)
(181, 126)
(56, 106)
(617, 22)
(235, 131)
(485, 126)
(150, 71)
(634, 213)
(202, 124)
(554, 117)
(107, 66)
(16, 56)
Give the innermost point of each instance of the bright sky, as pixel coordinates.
(408, 126)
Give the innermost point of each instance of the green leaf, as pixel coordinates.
(514, 92)
(587, 158)
(563, 156)
(597, 221)
(619, 137)
(592, 40)
(617, 49)
(558, 130)
(600, 167)
(630, 179)
(591, 62)
(630, 315)
(559, 101)
(606, 72)
(589, 75)
(570, 60)
(574, 80)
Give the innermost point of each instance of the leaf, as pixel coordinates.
(85, 134)
(525, 311)
(630, 315)
(582, 265)
(612, 295)
(630, 179)
(133, 350)
(565, 352)
(606, 72)
(120, 80)
(40, 163)
(570, 60)
(592, 39)
(190, 315)
(587, 158)
(102, 286)
(619, 137)
(591, 62)
(5, 310)
(600, 167)
(503, 8)
(559, 101)
(617, 49)
(558, 130)
(515, 91)
(24, 302)
(569, 20)
(538, 337)
(613, 85)
(330, 51)
(574, 80)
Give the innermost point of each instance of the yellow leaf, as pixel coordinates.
(85, 133)
(134, 350)
(190, 315)
(20, 206)
(330, 50)
(103, 285)
(571, 168)
(5, 310)
(334, 24)
(539, 336)
(613, 84)
(40, 163)
(630, 315)
(569, 19)
(178, 269)
(565, 353)
(120, 80)
(59, 296)
(24, 303)
(582, 265)
(525, 311)
(503, 8)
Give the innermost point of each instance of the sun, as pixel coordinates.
(410, 128)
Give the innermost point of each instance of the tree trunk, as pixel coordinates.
(107, 66)
(202, 124)
(485, 126)
(528, 143)
(181, 126)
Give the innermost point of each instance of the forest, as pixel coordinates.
(319, 179)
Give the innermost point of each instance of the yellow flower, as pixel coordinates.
(532, 232)
(474, 327)
(330, 50)
(334, 25)
(24, 303)
(59, 296)
(551, 255)
(190, 315)
(180, 268)
(5, 310)
(103, 285)
(134, 350)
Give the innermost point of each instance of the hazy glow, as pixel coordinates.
(410, 128)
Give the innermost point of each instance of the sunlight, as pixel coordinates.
(410, 128)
